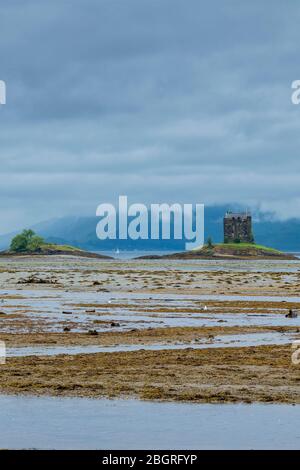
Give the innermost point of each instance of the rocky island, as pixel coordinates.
(28, 243)
(239, 251)
(238, 244)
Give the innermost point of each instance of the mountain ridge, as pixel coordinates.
(80, 231)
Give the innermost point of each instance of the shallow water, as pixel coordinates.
(48, 307)
(28, 310)
(79, 423)
(253, 339)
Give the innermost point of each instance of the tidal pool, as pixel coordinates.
(46, 311)
(80, 423)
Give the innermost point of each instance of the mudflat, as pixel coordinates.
(68, 301)
(260, 374)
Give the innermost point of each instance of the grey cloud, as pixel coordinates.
(165, 100)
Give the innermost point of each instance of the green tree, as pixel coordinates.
(26, 241)
(210, 242)
(35, 243)
(18, 243)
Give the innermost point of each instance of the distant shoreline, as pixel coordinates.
(73, 253)
(238, 251)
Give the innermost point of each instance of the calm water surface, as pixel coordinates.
(79, 423)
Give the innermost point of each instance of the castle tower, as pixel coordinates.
(238, 227)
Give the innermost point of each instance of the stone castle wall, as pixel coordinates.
(238, 228)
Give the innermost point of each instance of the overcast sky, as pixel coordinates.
(160, 100)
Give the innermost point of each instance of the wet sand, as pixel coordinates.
(255, 374)
(142, 336)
